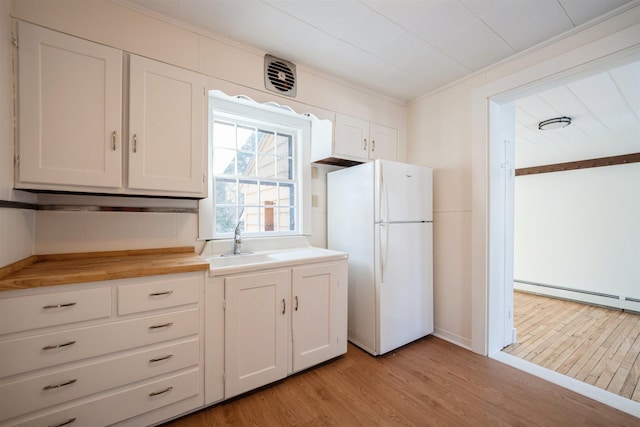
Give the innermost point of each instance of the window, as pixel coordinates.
(257, 170)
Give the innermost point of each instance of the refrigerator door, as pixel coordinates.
(404, 283)
(350, 229)
(402, 192)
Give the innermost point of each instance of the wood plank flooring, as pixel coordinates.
(427, 383)
(596, 345)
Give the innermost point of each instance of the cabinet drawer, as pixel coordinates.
(84, 379)
(55, 308)
(41, 351)
(171, 291)
(111, 408)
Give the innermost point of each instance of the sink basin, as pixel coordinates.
(231, 260)
(230, 263)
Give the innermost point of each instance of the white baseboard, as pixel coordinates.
(453, 338)
(613, 301)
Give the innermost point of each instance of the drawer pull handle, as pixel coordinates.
(51, 387)
(53, 347)
(69, 421)
(159, 359)
(156, 393)
(159, 294)
(49, 307)
(164, 325)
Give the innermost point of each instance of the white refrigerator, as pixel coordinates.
(381, 214)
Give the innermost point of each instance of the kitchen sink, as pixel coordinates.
(249, 261)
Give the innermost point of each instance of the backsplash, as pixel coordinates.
(86, 231)
(17, 234)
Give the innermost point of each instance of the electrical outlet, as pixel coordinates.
(314, 201)
(314, 172)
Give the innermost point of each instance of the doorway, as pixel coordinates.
(493, 323)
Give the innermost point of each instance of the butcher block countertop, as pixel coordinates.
(63, 269)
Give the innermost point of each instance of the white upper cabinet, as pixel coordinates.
(71, 124)
(70, 120)
(166, 127)
(356, 141)
(384, 142)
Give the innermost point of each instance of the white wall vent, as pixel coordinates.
(279, 76)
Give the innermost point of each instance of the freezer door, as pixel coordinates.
(402, 192)
(404, 283)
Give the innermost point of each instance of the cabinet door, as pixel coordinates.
(167, 148)
(70, 111)
(384, 142)
(351, 138)
(256, 330)
(319, 316)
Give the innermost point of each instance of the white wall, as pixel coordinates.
(232, 67)
(580, 229)
(449, 130)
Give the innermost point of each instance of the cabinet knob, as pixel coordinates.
(364, 144)
(373, 145)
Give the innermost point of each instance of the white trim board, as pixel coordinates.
(613, 301)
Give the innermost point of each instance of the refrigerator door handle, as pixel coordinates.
(383, 197)
(383, 249)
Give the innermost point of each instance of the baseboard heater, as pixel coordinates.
(607, 300)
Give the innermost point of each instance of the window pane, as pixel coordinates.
(286, 219)
(225, 219)
(224, 162)
(251, 218)
(225, 191)
(287, 195)
(268, 193)
(285, 168)
(246, 138)
(285, 145)
(268, 217)
(249, 193)
(246, 164)
(266, 166)
(266, 141)
(224, 135)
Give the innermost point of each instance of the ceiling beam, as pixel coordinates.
(581, 164)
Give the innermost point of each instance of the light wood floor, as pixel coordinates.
(596, 345)
(427, 383)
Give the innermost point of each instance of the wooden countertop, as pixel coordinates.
(63, 269)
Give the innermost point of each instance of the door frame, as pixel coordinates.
(489, 277)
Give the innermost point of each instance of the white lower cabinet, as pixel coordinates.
(319, 316)
(141, 363)
(282, 321)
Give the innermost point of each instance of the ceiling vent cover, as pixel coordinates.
(279, 76)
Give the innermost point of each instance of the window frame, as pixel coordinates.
(246, 111)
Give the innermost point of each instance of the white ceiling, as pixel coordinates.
(400, 48)
(605, 113)
(407, 48)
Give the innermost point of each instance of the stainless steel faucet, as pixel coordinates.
(237, 240)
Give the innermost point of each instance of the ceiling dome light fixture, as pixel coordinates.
(555, 123)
